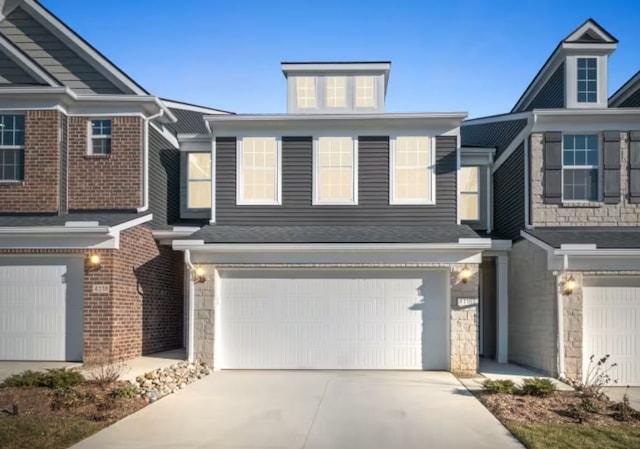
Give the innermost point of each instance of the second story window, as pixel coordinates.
(587, 80)
(335, 171)
(580, 167)
(365, 91)
(199, 181)
(258, 165)
(11, 148)
(306, 92)
(100, 139)
(411, 170)
(469, 194)
(336, 91)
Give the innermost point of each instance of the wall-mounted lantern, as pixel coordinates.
(198, 275)
(93, 262)
(569, 285)
(465, 274)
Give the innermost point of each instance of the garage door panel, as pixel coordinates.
(334, 320)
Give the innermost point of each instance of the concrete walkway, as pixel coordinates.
(313, 410)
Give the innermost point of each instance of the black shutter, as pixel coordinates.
(634, 167)
(611, 165)
(553, 167)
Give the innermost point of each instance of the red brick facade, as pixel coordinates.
(106, 182)
(39, 192)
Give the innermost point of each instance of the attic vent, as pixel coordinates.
(590, 36)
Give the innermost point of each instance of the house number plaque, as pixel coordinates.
(101, 289)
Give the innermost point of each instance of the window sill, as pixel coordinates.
(11, 183)
(583, 204)
(97, 156)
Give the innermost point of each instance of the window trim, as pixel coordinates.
(316, 170)
(393, 200)
(16, 147)
(599, 168)
(90, 151)
(597, 80)
(188, 181)
(477, 193)
(240, 201)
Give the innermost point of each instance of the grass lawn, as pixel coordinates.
(575, 436)
(42, 432)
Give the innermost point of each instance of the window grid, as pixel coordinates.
(11, 147)
(259, 171)
(335, 170)
(306, 91)
(199, 181)
(580, 167)
(587, 80)
(365, 94)
(336, 91)
(101, 137)
(469, 194)
(412, 170)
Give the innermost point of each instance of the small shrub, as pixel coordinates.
(67, 398)
(538, 387)
(126, 391)
(596, 377)
(504, 386)
(52, 378)
(623, 410)
(105, 370)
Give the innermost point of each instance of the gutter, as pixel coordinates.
(191, 306)
(145, 169)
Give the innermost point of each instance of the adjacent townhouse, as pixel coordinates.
(566, 191)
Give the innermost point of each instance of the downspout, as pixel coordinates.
(145, 173)
(190, 304)
(560, 312)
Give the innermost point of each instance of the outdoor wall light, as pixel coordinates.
(198, 274)
(93, 262)
(569, 285)
(465, 274)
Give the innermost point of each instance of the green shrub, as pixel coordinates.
(538, 387)
(52, 378)
(126, 391)
(504, 386)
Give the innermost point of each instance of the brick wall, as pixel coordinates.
(622, 214)
(106, 181)
(39, 192)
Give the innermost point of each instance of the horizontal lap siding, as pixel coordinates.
(297, 188)
(508, 196)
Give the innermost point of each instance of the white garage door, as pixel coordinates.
(41, 309)
(611, 323)
(334, 320)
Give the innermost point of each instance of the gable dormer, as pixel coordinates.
(336, 87)
(576, 74)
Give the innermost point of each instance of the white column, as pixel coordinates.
(502, 291)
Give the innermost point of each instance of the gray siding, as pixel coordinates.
(53, 55)
(11, 73)
(551, 96)
(373, 202)
(164, 171)
(498, 135)
(508, 196)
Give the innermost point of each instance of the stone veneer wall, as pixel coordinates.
(587, 214)
(573, 329)
(464, 320)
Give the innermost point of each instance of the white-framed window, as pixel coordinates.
(11, 147)
(587, 77)
(258, 170)
(336, 91)
(306, 92)
(470, 193)
(412, 162)
(335, 171)
(199, 180)
(100, 137)
(580, 167)
(365, 92)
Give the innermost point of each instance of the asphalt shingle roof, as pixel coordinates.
(103, 218)
(601, 237)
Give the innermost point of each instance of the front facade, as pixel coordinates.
(334, 236)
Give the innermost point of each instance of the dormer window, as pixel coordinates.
(587, 80)
(365, 91)
(336, 91)
(306, 92)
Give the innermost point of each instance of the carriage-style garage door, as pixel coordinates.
(41, 308)
(611, 323)
(321, 319)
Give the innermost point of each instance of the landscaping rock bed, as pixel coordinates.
(161, 382)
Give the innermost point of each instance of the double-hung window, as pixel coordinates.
(11, 147)
(587, 80)
(100, 139)
(199, 181)
(365, 91)
(412, 175)
(258, 168)
(580, 167)
(469, 194)
(306, 92)
(335, 171)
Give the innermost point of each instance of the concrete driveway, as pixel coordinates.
(313, 410)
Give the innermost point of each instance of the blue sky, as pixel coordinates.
(453, 55)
